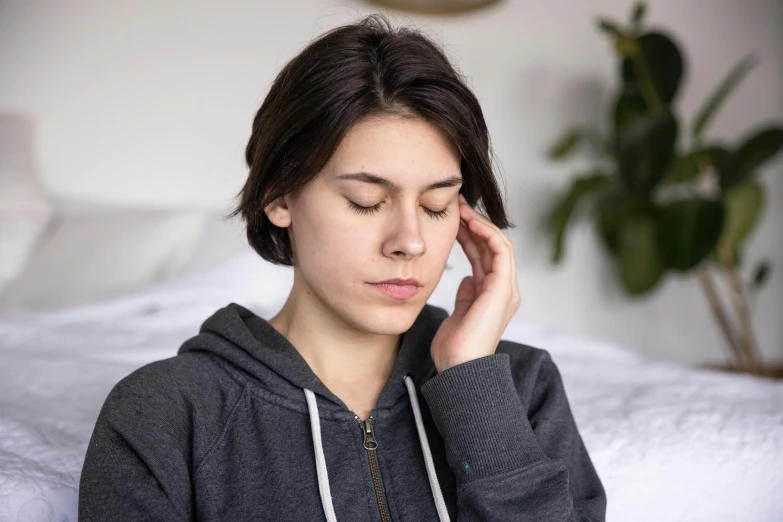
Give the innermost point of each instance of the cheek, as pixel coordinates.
(333, 246)
(443, 241)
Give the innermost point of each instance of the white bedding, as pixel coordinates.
(670, 443)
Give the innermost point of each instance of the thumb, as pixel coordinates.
(466, 294)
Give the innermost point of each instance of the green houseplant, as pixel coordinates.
(663, 197)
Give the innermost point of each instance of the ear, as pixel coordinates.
(278, 213)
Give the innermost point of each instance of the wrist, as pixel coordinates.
(444, 364)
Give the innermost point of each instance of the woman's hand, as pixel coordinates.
(485, 301)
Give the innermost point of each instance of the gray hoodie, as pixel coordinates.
(237, 427)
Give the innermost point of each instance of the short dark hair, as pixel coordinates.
(367, 68)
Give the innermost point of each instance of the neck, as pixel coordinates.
(354, 364)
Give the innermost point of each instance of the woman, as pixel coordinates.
(358, 400)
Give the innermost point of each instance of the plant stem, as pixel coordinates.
(645, 82)
(742, 340)
(746, 339)
(708, 285)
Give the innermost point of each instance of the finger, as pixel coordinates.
(487, 255)
(484, 253)
(514, 281)
(469, 246)
(468, 213)
(500, 250)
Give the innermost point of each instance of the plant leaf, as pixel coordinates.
(688, 230)
(684, 167)
(754, 151)
(609, 27)
(663, 62)
(743, 204)
(628, 108)
(688, 166)
(562, 212)
(566, 145)
(720, 94)
(613, 212)
(761, 274)
(640, 265)
(638, 13)
(647, 150)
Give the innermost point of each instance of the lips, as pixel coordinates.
(398, 281)
(397, 291)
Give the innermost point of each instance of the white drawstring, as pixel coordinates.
(440, 505)
(320, 461)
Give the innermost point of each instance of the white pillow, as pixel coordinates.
(220, 240)
(92, 251)
(24, 208)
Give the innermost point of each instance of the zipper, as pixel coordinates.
(370, 444)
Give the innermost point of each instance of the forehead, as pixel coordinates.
(395, 151)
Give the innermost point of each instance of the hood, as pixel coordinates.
(248, 342)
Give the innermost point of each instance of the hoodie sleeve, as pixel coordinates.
(511, 464)
(136, 467)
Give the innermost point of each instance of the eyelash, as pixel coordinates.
(371, 210)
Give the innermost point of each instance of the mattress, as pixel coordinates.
(670, 442)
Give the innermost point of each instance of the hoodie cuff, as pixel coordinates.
(483, 423)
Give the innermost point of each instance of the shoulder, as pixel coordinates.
(185, 398)
(173, 383)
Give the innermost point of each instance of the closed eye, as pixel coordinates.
(435, 214)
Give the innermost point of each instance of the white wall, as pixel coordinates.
(152, 101)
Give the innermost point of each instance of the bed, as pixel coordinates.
(671, 443)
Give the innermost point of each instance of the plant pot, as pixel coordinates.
(772, 371)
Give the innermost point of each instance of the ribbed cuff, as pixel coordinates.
(481, 418)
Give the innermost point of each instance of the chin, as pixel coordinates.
(385, 319)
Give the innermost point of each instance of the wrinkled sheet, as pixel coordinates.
(670, 443)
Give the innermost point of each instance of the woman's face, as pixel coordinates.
(408, 231)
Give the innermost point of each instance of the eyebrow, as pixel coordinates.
(367, 177)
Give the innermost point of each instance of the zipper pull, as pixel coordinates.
(369, 435)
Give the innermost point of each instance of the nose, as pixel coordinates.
(406, 240)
